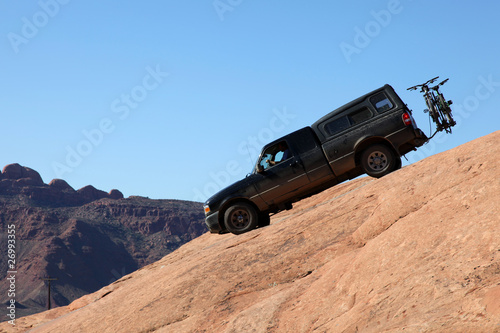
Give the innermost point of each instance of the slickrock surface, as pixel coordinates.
(415, 251)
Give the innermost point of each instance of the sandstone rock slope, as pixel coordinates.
(415, 251)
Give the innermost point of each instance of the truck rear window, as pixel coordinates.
(381, 102)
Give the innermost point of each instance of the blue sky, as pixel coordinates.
(170, 99)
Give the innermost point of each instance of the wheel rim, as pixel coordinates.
(377, 161)
(240, 218)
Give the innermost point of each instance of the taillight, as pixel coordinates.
(407, 118)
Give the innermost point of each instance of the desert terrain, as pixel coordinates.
(415, 251)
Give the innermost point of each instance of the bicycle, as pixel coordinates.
(438, 107)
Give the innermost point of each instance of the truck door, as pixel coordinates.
(281, 173)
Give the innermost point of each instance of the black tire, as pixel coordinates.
(264, 220)
(240, 218)
(379, 160)
(399, 164)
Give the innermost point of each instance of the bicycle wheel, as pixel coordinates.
(434, 112)
(445, 107)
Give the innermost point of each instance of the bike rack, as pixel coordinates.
(437, 106)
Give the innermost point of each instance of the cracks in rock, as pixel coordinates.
(243, 241)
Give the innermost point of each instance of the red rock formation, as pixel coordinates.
(115, 194)
(61, 185)
(90, 193)
(86, 238)
(16, 171)
(19, 180)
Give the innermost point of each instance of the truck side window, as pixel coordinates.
(360, 116)
(343, 123)
(275, 155)
(337, 125)
(381, 102)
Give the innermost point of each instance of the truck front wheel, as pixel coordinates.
(240, 218)
(378, 161)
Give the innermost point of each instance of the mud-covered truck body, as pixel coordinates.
(368, 135)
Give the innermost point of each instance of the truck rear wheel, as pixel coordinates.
(240, 218)
(379, 160)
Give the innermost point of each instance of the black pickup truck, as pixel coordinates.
(368, 135)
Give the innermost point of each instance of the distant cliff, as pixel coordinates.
(85, 238)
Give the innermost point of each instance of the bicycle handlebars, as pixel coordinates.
(443, 82)
(436, 88)
(427, 83)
